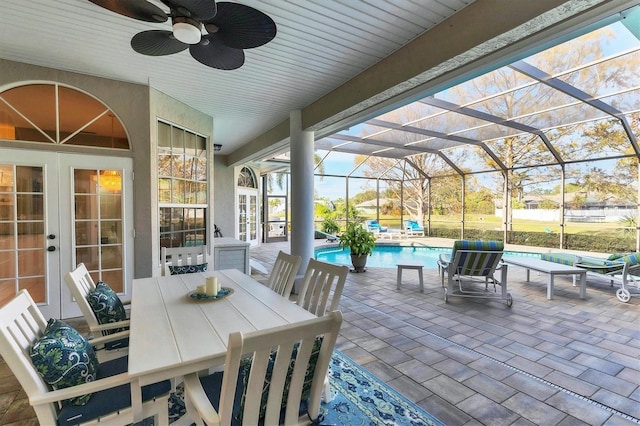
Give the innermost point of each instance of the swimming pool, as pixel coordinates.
(387, 256)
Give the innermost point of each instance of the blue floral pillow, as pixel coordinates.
(107, 306)
(188, 269)
(64, 358)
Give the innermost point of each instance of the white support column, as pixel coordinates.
(302, 192)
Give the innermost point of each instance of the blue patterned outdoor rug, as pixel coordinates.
(359, 398)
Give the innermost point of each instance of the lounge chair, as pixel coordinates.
(622, 270)
(375, 227)
(474, 259)
(412, 227)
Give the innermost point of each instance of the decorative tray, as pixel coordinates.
(224, 292)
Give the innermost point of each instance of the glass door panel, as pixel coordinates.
(248, 222)
(277, 219)
(99, 228)
(242, 217)
(22, 239)
(253, 218)
(28, 204)
(98, 222)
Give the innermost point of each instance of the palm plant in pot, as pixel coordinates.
(360, 242)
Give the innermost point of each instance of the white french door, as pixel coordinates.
(248, 216)
(57, 210)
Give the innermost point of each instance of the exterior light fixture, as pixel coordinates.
(110, 180)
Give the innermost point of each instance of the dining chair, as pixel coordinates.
(270, 377)
(284, 273)
(106, 316)
(57, 369)
(322, 286)
(171, 257)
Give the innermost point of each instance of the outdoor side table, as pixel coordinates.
(410, 265)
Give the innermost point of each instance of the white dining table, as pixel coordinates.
(172, 334)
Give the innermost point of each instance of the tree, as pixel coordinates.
(408, 179)
(361, 197)
(571, 140)
(623, 180)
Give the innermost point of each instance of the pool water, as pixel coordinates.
(387, 256)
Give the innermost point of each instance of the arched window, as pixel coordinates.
(55, 114)
(247, 178)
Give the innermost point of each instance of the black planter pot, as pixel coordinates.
(359, 262)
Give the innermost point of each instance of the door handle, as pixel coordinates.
(51, 248)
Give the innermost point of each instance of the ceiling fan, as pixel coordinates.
(215, 34)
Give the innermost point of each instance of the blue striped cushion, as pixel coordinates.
(477, 245)
(477, 264)
(561, 258)
(632, 258)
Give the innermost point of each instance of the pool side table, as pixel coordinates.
(551, 269)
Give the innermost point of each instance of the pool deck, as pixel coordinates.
(564, 361)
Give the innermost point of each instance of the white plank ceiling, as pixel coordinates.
(320, 45)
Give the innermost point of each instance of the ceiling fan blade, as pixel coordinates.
(157, 43)
(213, 53)
(200, 10)
(240, 26)
(136, 9)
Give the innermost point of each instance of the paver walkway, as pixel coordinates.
(547, 362)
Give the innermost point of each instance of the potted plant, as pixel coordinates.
(360, 242)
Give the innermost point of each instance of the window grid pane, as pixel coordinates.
(182, 180)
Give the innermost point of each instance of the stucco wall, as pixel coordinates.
(224, 196)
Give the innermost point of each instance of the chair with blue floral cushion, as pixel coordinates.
(270, 377)
(470, 260)
(102, 309)
(40, 353)
(183, 260)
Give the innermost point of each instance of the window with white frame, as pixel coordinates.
(182, 186)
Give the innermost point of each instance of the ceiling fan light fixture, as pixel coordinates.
(186, 30)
